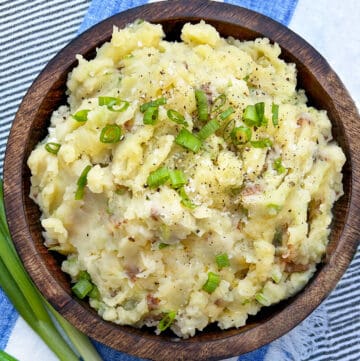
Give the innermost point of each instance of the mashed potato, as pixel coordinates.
(186, 182)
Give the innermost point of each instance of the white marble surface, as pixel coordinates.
(332, 27)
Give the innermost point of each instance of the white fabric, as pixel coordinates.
(333, 28)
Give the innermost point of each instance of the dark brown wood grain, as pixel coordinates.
(325, 90)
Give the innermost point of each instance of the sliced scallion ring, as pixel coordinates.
(158, 177)
(166, 321)
(188, 140)
(250, 116)
(219, 102)
(222, 260)
(262, 143)
(226, 113)
(114, 104)
(208, 129)
(154, 103)
(151, 115)
(240, 135)
(176, 117)
(212, 282)
(110, 134)
(81, 115)
(82, 288)
(177, 178)
(52, 147)
(278, 166)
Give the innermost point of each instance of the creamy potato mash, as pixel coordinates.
(186, 182)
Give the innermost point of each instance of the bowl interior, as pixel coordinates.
(30, 127)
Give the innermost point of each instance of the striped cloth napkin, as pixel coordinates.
(30, 34)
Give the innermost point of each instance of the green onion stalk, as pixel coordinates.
(31, 305)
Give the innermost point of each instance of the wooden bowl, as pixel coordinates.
(325, 91)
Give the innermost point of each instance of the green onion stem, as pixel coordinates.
(226, 113)
(202, 105)
(166, 321)
(154, 103)
(151, 115)
(158, 177)
(208, 129)
(81, 342)
(52, 147)
(241, 135)
(81, 115)
(29, 302)
(176, 117)
(188, 140)
(114, 104)
(177, 178)
(212, 282)
(275, 114)
(6, 357)
(111, 133)
(218, 103)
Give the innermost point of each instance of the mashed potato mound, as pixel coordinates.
(187, 219)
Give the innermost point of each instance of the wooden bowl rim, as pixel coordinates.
(157, 347)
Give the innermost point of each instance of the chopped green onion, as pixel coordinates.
(52, 147)
(165, 232)
(262, 299)
(84, 275)
(81, 115)
(158, 177)
(94, 293)
(202, 105)
(154, 103)
(222, 260)
(276, 275)
(246, 78)
(278, 166)
(151, 115)
(82, 288)
(185, 200)
(226, 113)
(114, 104)
(275, 114)
(188, 140)
(262, 143)
(250, 116)
(176, 117)
(81, 183)
(110, 134)
(209, 128)
(226, 131)
(212, 282)
(166, 321)
(163, 245)
(273, 209)
(241, 135)
(177, 178)
(218, 103)
(260, 110)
